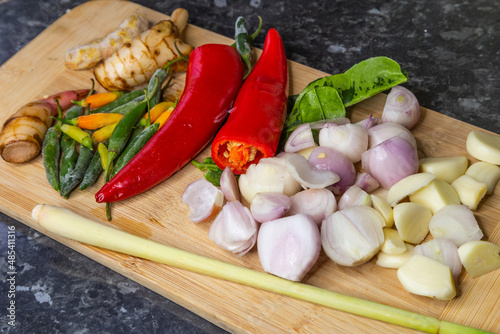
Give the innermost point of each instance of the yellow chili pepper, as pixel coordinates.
(78, 134)
(103, 133)
(103, 152)
(156, 111)
(164, 116)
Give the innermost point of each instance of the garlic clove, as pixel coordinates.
(408, 186)
(424, 276)
(470, 191)
(381, 205)
(393, 243)
(394, 261)
(412, 221)
(479, 257)
(445, 168)
(436, 195)
(442, 250)
(486, 173)
(484, 146)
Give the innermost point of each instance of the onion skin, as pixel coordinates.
(401, 107)
(391, 161)
(289, 247)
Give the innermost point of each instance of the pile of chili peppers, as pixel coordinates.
(138, 141)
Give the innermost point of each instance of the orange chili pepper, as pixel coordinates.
(103, 133)
(96, 121)
(164, 116)
(156, 111)
(99, 100)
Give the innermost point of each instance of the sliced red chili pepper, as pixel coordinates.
(213, 78)
(254, 126)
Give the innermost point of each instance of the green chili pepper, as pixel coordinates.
(125, 108)
(68, 159)
(123, 130)
(124, 99)
(161, 74)
(73, 112)
(51, 152)
(75, 176)
(243, 41)
(94, 170)
(80, 135)
(134, 147)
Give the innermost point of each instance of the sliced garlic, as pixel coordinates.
(484, 146)
(394, 261)
(412, 221)
(485, 172)
(436, 195)
(407, 186)
(381, 205)
(470, 191)
(479, 257)
(424, 276)
(393, 244)
(445, 168)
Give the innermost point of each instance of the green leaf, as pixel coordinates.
(210, 170)
(322, 98)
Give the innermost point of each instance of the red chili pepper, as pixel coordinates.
(214, 77)
(254, 126)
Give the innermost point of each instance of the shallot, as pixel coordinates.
(442, 250)
(204, 199)
(350, 139)
(401, 107)
(300, 138)
(328, 158)
(229, 185)
(384, 131)
(352, 236)
(318, 203)
(234, 229)
(354, 196)
(288, 247)
(269, 206)
(391, 161)
(306, 174)
(366, 182)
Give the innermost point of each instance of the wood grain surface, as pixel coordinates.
(38, 70)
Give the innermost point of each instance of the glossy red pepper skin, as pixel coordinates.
(213, 79)
(259, 111)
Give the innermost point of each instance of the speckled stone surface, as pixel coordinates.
(449, 48)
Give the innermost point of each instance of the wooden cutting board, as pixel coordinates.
(38, 70)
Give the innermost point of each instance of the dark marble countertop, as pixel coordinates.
(449, 48)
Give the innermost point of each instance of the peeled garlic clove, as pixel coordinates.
(442, 250)
(204, 200)
(289, 247)
(229, 185)
(412, 221)
(445, 168)
(470, 191)
(354, 195)
(479, 257)
(436, 195)
(408, 186)
(308, 175)
(424, 276)
(484, 146)
(394, 261)
(269, 206)
(393, 244)
(381, 205)
(352, 236)
(457, 223)
(318, 203)
(234, 229)
(486, 173)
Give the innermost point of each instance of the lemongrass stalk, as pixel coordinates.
(65, 223)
